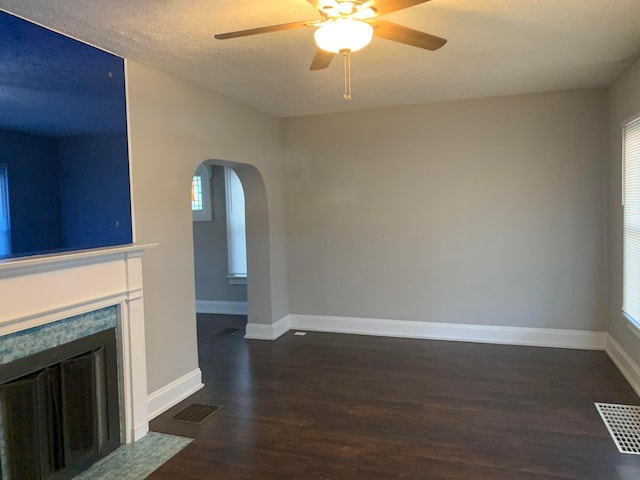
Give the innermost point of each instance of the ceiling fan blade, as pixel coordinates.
(384, 7)
(408, 36)
(269, 29)
(321, 59)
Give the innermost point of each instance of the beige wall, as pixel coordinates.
(173, 127)
(487, 211)
(624, 102)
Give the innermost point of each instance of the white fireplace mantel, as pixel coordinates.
(46, 288)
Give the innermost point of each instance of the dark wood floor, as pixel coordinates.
(325, 406)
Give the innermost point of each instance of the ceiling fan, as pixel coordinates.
(348, 26)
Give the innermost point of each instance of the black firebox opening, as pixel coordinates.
(59, 409)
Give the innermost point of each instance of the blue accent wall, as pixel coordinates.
(94, 190)
(56, 86)
(34, 192)
(63, 134)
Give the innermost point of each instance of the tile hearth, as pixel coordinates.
(137, 460)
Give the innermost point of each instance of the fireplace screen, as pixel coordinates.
(59, 418)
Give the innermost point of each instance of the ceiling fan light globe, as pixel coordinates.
(343, 34)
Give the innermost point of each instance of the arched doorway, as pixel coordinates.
(254, 292)
(219, 241)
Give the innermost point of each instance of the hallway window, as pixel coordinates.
(201, 195)
(631, 202)
(5, 224)
(236, 232)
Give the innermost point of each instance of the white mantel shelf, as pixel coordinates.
(41, 289)
(39, 263)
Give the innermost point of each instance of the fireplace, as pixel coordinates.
(65, 300)
(59, 409)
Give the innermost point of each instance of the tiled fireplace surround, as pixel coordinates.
(48, 300)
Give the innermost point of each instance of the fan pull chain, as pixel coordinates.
(346, 54)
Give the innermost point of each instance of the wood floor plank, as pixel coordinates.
(325, 406)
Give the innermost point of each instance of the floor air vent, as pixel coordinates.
(195, 414)
(228, 331)
(623, 423)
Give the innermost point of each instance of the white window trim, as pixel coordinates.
(633, 326)
(237, 279)
(633, 323)
(203, 215)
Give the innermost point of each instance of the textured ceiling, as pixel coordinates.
(495, 47)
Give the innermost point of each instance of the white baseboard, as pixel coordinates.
(258, 331)
(626, 365)
(140, 431)
(166, 397)
(221, 307)
(540, 337)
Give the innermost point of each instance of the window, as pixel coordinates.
(196, 193)
(5, 224)
(236, 233)
(201, 195)
(631, 202)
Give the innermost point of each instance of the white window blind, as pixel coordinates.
(236, 233)
(631, 200)
(5, 224)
